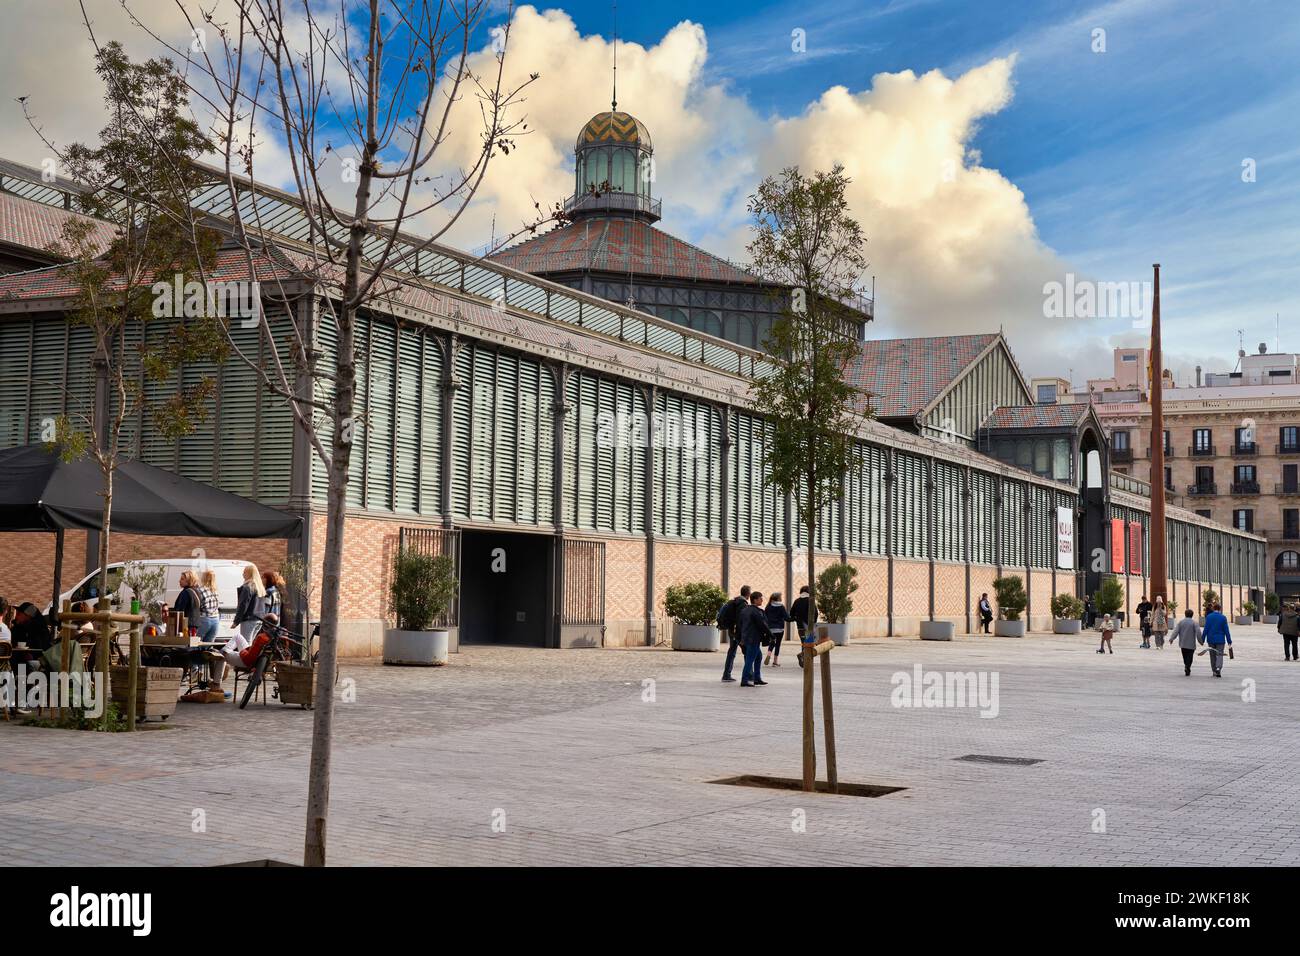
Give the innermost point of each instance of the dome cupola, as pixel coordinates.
(614, 169)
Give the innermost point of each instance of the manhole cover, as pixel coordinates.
(991, 758)
(796, 783)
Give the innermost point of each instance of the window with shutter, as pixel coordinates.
(409, 414)
(360, 424)
(15, 349)
(432, 454)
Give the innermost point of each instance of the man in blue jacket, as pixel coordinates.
(753, 633)
(1214, 636)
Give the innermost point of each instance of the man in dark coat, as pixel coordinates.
(986, 612)
(1288, 625)
(1144, 620)
(753, 635)
(733, 609)
(31, 628)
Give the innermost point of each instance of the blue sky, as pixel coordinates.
(1125, 157)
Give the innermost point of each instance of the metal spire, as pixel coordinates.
(613, 103)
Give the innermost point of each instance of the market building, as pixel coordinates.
(610, 450)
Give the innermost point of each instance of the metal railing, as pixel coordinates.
(613, 199)
(1283, 448)
(1203, 488)
(1245, 451)
(1245, 487)
(1286, 488)
(1201, 451)
(1121, 454)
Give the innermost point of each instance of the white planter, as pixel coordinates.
(416, 648)
(1243, 619)
(1066, 625)
(1009, 628)
(695, 637)
(937, 630)
(838, 633)
(1268, 619)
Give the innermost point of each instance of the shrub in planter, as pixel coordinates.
(1067, 613)
(1271, 603)
(424, 585)
(1249, 608)
(693, 608)
(1209, 598)
(835, 588)
(1011, 596)
(1110, 597)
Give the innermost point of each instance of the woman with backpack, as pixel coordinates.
(777, 618)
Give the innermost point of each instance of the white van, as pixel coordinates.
(230, 575)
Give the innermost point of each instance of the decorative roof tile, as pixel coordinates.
(1036, 416)
(900, 377)
(618, 245)
(37, 226)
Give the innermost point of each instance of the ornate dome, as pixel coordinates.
(614, 127)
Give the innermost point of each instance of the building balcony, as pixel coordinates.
(1284, 449)
(1203, 489)
(1245, 451)
(1282, 488)
(1121, 454)
(614, 201)
(1201, 451)
(1245, 487)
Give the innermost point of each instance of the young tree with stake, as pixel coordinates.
(807, 242)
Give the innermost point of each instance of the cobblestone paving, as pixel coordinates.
(560, 750)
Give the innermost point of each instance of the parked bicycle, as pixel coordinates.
(273, 644)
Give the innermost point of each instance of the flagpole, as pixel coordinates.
(1158, 572)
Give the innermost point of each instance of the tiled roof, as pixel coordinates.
(57, 282)
(903, 376)
(1036, 416)
(618, 245)
(34, 225)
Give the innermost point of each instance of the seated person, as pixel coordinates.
(31, 628)
(52, 657)
(87, 627)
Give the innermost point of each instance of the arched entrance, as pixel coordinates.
(1092, 474)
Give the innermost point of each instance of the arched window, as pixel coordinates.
(706, 321)
(1288, 561)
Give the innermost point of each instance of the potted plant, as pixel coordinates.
(834, 600)
(1110, 598)
(297, 581)
(1247, 615)
(1067, 614)
(1209, 598)
(424, 585)
(145, 583)
(1272, 604)
(1011, 601)
(694, 608)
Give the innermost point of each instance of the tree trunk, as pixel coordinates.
(103, 604)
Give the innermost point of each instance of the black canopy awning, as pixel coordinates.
(41, 492)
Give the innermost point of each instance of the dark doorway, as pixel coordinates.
(1092, 545)
(504, 587)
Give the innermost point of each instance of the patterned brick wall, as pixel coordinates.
(871, 598)
(764, 570)
(911, 589)
(950, 593)
(1040, 590)
(27, 559)
(624, 579)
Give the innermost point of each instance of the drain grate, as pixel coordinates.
(796, 783)
(992, 758)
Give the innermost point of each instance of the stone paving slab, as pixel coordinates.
(559, 750)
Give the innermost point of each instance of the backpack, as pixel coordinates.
(727, 615)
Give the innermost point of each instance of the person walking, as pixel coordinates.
(729, 621)
(1215, 636)
(1089, 613)
(1186, 635)
(1288, 625)
(274, 597)
(1107, 632)
(188, 601)
(777, 619)
(1144, 621)
(799, 614)
(986, 612)
(753, 634)
(1159, 622)
(250, 605)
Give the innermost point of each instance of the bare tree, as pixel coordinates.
(362, 99)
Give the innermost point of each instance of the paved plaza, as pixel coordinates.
(520, 756)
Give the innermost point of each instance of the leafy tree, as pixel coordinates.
(807, 242)
(1209, 598)
(137, 179)
(835, 589)
(1066, 607)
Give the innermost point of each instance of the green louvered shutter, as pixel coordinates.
(505, 438)
(361, 425)
(15, 365)
(462, 416)
(483, 391)
(155, 449)
(275, 422)
(528, 440)
(432, 454)
(409, 414)
(586, 451)
(47, 370)
(545, 445)
(237, 420)
(382, 380)
(607, 441)
(327, 343)
(639, 521)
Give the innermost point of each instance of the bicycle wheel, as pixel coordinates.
(258, 671)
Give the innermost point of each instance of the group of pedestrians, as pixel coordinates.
(752, 627)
